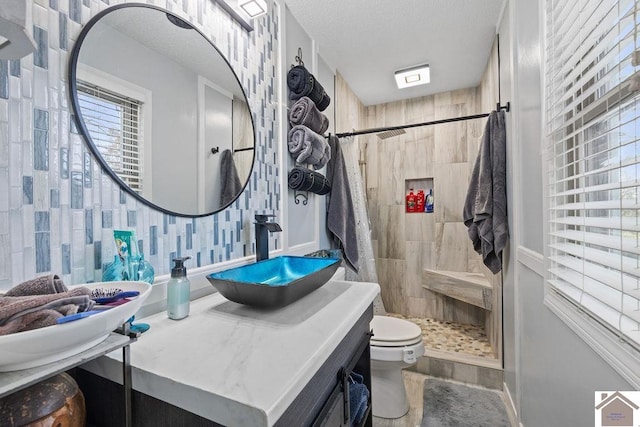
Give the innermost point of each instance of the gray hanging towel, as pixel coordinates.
(485, 208)
(341, 220)
(231, 185)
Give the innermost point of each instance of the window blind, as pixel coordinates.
(113, 121)
(593, 123)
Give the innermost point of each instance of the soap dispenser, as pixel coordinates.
(178, 291)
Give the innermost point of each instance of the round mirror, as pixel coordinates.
(162, 110)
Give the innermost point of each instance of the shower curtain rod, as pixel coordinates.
(435, 122)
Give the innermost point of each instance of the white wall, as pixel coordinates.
(549, 372)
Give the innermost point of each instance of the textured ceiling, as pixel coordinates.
(367, 40)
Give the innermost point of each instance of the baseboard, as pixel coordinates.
(511, 406)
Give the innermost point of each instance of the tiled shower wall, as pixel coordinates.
(58, 209)
(407, 243)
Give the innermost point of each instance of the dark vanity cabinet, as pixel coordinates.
(324, 401)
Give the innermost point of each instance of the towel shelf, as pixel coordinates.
(298, 195)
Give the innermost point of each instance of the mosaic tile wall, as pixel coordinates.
(58, 210)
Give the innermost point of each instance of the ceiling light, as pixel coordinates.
(253, 8)
(414, 76)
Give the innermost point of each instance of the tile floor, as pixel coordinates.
(414, 384)
(452, 337)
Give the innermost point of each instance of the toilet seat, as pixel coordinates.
(394, 332)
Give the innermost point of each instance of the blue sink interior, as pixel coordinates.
(280, 271)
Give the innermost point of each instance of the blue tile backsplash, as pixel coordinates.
(14, 68)
(4, 79)
(27, 190)
(62, 209)
(41, 55)
(75, 13)
(62, 31)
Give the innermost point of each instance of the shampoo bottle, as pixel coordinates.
(178, 291)
(411, 201)
(429, 205)
(420, 201)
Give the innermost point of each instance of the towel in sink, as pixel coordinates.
(304, 112)
(302, 83)
(39, 302)
(308, 147)
(37, 319)
(51, 284)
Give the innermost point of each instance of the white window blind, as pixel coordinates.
(593, 123)
(113, 121)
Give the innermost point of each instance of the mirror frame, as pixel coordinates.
(84, 132)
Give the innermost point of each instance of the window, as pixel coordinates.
(593, 152)
(113, 121)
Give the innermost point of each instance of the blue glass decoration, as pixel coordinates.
(145, 270)
(114, 271)
(134, 268)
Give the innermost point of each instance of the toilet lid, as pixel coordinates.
(393, 332)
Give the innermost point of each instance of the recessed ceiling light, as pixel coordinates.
(253, 8)
(414, 76)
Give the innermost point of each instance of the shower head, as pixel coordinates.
(391, 133)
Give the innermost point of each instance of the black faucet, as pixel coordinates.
(262, 236)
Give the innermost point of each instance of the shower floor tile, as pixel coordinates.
(452, 337)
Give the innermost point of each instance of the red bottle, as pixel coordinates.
(420, 198)
(411, 201)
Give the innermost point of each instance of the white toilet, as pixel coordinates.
(396, 344)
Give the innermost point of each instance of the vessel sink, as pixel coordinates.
(274, 282)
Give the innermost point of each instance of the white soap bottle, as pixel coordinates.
(178, 291)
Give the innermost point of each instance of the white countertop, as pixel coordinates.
(236, 365)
